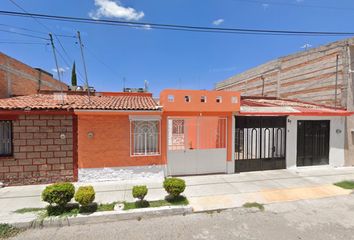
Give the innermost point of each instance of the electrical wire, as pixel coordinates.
(23, 34)
(176, 27)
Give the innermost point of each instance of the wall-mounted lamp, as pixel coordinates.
(62, 136)
(90, 135)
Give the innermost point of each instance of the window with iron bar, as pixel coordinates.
(145, 137)
(5, 138)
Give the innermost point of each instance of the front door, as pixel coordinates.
(259, 143)
(312, 143)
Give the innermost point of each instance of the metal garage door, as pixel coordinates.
(312, 143)
(260, 143)
(196, 145)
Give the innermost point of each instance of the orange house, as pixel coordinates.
(199, 127)
(128, 135)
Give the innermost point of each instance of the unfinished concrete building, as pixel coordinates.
(321, 75)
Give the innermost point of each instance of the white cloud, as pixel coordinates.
(62, 70)
(265, 5)
(218, 22)
(306, 46)
(146, 27)
(114, 9)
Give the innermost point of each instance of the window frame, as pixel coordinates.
(11, 140)
(132, 146)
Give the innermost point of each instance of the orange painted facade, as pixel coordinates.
(200, 101)
(109, 144)
(104, 138)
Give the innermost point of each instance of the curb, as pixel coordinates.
(104, 217)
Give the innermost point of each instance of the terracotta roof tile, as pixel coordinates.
(71, 102)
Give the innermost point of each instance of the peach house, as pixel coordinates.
(70, 136)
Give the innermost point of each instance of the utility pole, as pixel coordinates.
(56, 64)
(83, 61)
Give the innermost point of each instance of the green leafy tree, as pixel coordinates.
(73, 76)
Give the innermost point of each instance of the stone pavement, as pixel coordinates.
(205, 192)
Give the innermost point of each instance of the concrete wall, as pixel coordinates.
(40, 155)
(336, 140)
(140, 173)
(17, 78)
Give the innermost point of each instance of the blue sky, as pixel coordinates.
(170, 59)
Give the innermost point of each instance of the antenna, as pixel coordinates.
(123, 83)
(83, 61)
(146, 85)
(57, 66)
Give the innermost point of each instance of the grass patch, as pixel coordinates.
(181, 200)
(7, 231)
(29, 210)
(103, 207)
(345, 184)
(254, 205)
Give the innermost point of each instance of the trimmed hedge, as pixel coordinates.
(174, 186)
(58, 193)
(139, 192)
(85, 195)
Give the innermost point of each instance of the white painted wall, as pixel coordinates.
(152, 172)
(199, 161)
(336, 140)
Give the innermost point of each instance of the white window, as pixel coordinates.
(145, 137)
(219, 99)
(187, 98)
(234, 99)
(203, 99)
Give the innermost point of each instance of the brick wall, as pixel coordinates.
(308, 75)
(17, 78)
(40, 155)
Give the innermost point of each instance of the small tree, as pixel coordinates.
(174, 186)
(73, 76)
(139, 192)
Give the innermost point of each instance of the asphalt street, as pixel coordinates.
(330, 218)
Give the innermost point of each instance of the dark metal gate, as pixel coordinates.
(260, 143)
(312, 143)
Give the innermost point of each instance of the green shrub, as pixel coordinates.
(174, 186)
(85, 195)
(70, 209)
(8, 231)
(58, 193)
(140, 192)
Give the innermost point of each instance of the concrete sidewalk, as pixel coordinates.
(206, 192)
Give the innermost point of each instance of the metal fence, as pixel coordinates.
(197, 133)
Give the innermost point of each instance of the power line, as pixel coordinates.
(55, 35)
(43, 25)
(177, 27)
(23, 34)
(29, 43)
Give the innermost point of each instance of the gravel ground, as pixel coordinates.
(330, 218)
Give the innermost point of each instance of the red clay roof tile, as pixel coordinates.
(72, 102)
